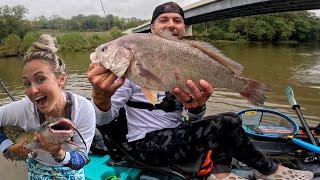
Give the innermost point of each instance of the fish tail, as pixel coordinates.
(254, 91)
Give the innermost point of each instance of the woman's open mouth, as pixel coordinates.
(41, 100)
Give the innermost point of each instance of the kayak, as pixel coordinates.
(271, 139)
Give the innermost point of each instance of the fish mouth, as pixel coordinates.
(62, 126)
(94, 58)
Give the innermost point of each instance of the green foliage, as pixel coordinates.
(290, 26)
(262, 31)
(73, 42)
(11, 21)
(87, 32)
(302, 29)
(10, 46)
(27, 41)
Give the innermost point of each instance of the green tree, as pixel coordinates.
(11, 21)
(302, 29)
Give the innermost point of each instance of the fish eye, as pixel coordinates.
(104, 48)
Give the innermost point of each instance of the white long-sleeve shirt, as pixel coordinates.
(140, 121)
(23, 113)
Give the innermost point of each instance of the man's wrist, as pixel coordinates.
(102, 102)
(198, 110)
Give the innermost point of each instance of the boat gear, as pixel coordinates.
(168, 104)
(295, 106)
(7, 91)
(271, 124)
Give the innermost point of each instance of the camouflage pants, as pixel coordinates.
(222, 133)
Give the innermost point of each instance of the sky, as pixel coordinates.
(67, 8)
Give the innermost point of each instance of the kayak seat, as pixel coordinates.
(116, 146)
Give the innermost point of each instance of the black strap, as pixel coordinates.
(143, 105)
(168, 104)
(68, 109)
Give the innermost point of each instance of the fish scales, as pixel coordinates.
(160, 63)
(173, 64)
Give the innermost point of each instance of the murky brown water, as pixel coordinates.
(276, 65)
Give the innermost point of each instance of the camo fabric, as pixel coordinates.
(222, 133)
(38, 171)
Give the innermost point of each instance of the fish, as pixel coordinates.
(162, 62)
(54, 131)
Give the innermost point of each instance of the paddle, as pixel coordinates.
(295, 106)
(7, 91)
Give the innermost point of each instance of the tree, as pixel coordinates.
(11, 21)
(302, 29)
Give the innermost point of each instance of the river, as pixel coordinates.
(274, 64)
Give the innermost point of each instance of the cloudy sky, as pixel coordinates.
(68, 8)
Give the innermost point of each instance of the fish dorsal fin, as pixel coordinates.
(166, 34)
(150, 95)
(215, 54)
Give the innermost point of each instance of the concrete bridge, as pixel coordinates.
(209, 10)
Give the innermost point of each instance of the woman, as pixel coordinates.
(44, 76)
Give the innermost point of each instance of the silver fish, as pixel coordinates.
(160, 63)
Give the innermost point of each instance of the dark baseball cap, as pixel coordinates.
(167, 7)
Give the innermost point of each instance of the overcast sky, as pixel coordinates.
(67, 8)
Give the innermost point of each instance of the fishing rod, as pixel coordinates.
(7, 91)
(105, 14)
(295, 106)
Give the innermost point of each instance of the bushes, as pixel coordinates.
(68, 42)
(10, 46)
(73, 41)
(27, 41)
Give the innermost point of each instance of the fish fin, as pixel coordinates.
(216, 54)
(33, 145)
(254, 91)
(166, 34)
(150, 95)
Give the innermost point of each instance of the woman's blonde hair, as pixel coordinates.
(45, 49)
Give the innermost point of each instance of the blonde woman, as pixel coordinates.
(44, 76)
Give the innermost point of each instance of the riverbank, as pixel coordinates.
(73, 41)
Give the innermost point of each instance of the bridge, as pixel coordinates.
(209, 10)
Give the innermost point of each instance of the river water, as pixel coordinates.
(273, 64)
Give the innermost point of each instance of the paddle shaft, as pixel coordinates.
(304, 123)
(7, 91)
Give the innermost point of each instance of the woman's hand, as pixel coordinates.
(54, 149)
(197, 98)
(104, 83)
(17, 151)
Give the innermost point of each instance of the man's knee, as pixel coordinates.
(226, 118)
(232, 117)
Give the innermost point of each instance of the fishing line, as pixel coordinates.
(7, 91)
(81, 138)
